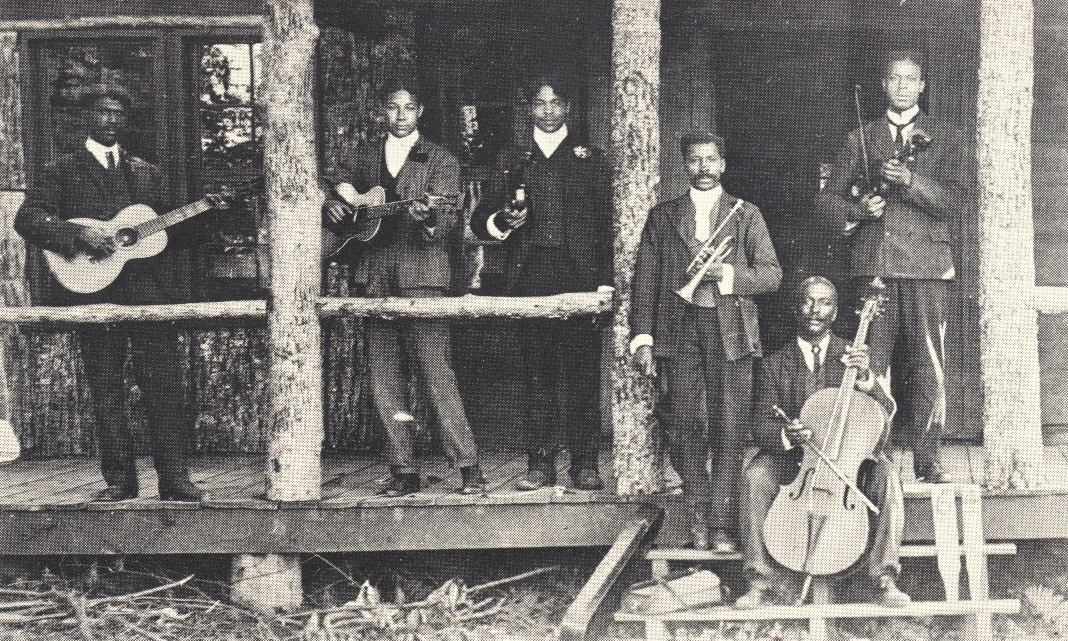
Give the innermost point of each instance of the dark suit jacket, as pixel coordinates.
(76, 186)
(412, 257)
(913, 237)
(586, 195)
(665, 252)
(781, 382)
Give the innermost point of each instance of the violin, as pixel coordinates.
(819, 524)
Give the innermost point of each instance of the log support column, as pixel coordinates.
(636, 159)
(1012, 421)
(273, 582)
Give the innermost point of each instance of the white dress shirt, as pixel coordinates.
(100, 152)
(548, 142)
(397, 150)
(909, 116)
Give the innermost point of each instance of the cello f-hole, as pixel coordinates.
(801, 487)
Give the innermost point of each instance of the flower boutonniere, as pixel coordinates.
(582, 152)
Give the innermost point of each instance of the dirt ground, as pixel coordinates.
(441, 596)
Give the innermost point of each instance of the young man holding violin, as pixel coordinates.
(407, 257)
(817, 359)
(899, 212)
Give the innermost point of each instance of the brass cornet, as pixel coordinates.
(709, 255)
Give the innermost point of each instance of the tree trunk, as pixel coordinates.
(295, 361)
(636, 155)
(1012, 422)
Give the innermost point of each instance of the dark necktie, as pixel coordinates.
(814, 380)
(899, 131)
(111, 160)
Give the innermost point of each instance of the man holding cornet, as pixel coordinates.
(701, 260)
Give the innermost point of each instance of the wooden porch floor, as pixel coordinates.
(45, 508)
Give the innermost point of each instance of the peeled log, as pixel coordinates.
(1012, 420)
(636, 155)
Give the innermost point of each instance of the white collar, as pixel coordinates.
(905, 117)
(806, 349)
(549, 142)
(397, 150)
(100, 151)
(706, 199)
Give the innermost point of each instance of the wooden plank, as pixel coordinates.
(579, 614)
(690, 554)
(947, 537)
(979, 624)
(316, 529)
(918, 550)
(831, 611)
(24, 476)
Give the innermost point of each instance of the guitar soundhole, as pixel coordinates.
(126, 237)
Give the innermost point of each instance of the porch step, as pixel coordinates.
(908, 550)
(829, 611)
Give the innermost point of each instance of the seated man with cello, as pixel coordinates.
(801, 473)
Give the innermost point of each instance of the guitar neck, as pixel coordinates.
(371, 212)
(171, 218)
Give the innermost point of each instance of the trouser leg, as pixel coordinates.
(430, 343)
(884, 489)
(689, 447)
(103, 350)
(388, 390)
(925, 330)
(158, 356)
(579, 372)
(730, 389)
(539, 373)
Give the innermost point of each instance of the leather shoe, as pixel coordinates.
(402, 485)
(760, 594)
(888, 595)
(473, 481)
(113, 493)
(722, 542)
(536, 479)
(933, 474)
(186, 492)
(587, 478)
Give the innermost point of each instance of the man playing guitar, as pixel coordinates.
(407, 255)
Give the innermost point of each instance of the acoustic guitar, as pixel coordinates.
(138, 232)
(369, 209)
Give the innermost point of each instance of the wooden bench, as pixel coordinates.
(958, 533)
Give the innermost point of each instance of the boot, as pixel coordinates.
(473, 481)
(888, 595)
(761, 592)
(402, 485)
(183, 490)
(585, 477)
(541, 472)
(721, 542)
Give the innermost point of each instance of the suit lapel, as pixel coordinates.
(96, 172)
(684, 222)
(412, 177)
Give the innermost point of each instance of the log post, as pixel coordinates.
(636, 158)
(1012, 421)
(294, 473)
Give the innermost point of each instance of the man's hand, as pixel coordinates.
(897, 173)
(714, 273)
(797, 433)
(644, 361)
(859, 358)
(513, 218)
(337, 211)
(94, 242)
(419, 211)
(871, 207)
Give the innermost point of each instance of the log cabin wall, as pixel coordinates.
(1049, 175)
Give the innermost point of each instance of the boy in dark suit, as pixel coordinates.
(408, 257)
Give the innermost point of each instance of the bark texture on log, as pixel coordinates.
(636, 155)
(295, 363)
(12, 168)
(1012, 424)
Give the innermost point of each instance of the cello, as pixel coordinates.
(819, 524)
